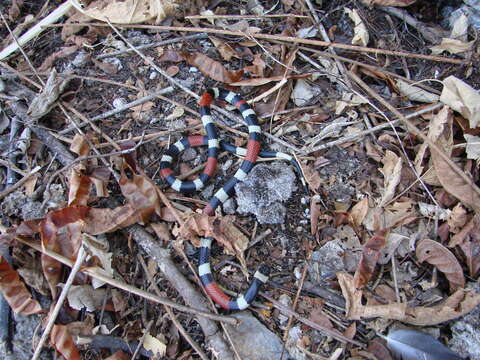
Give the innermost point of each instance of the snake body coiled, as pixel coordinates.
(251, 153)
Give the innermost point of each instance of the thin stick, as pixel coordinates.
(131, 289)
(411, 127)
(37, 29)
(295, 302)
(155, 44)
(142, 339)
(53, 315)
(372, 130)
(127, 106)
(170, 313)
(19, 183)
(313, 325)
(252, 17)
(289, 39)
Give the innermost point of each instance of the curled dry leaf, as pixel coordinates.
(438, 255)
(60, 232)
(468, 239)
(130, 11)
(85, 296)
(392, 170)
(359, 211)
(63, 342)
(212, 68)
(221, 229)
(463, 98)
(370, 253)
(448, 177)
(44, 102)
(15, 292)
(458, 304)
(225, 50)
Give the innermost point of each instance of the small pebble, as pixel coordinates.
(119, 102)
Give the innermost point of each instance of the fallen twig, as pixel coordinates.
(19, 183)
(288, 39)
(63, 295)
(123, 286)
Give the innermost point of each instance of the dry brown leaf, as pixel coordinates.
(212, 68)
(15, 292)
(130, 11)
(392, 170)
(462, 98)
(257, 68)
(171, 55)
(370, 254)
(315, 212)
(468, 239)
(222, 229)
(458, 304)
(79, 189)
(63, 342)
(106, 67)
(359, 211)
(311, 176)
(457, 219)
(456, 43)
(225, 50)
(60, 232)
(450, 180)
(438, 255)
(85, 296)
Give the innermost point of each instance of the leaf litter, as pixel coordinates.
(395, 217)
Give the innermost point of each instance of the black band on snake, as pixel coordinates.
(214, 145)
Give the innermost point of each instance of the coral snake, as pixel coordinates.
(251, 153)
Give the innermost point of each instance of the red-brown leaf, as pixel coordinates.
(15, 292)
(468, 239)
(213, 69)
(438, 255)
(370, 254)
(63, 342)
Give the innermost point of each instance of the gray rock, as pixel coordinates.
(80, 59)
(189, 154)
(22, 340)
(466, 333)
(207, 193)
(326, 262)
(253, 340)
(263, 191)
(229, 207)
